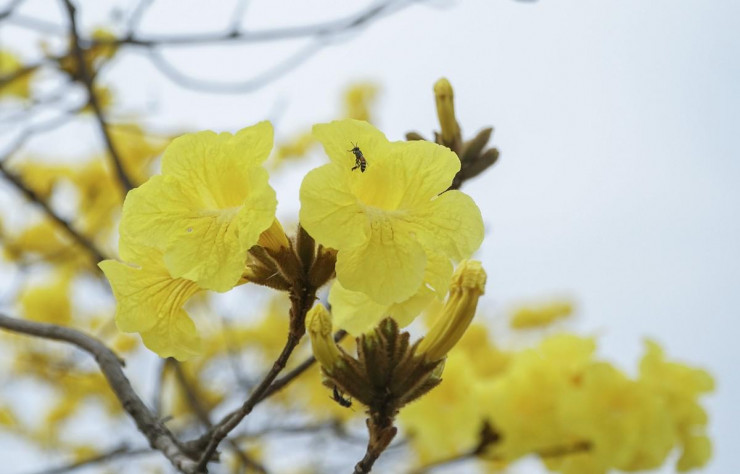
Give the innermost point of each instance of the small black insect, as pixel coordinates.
(360, 161)
(337, 397)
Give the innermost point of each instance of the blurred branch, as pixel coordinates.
(231, 35)
(203, 416)
(122, 451)
(87, 80)
(35, 198)
(249, 85)
(552, 452)
(160, 438)
(215, 435)
(10, 9)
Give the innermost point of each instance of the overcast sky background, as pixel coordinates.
(618, 126)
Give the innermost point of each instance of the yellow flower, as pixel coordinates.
(387, 220)
(49, 303)
(527, 317)
(447, 420)
(150, 301)
(208, 207)
(357, 100)
(18, 87)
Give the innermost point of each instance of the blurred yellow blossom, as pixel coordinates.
(358, 99)
(533, 316)
(48, 303)
(19, 86)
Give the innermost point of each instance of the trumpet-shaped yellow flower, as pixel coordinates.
(208, 207)
(150, 301)
(387, 220)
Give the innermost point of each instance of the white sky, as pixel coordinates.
(617, 123)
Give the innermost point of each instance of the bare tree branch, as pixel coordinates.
(214, 437)
(10, 9)
(232, 87)
(122, 451)
(35, 198)
(86, 77)
(160, 438)
(278, 384)
(203, 416)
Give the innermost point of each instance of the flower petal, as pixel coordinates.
(432, 167)
(145, 293)
(206, 250)
(216, 167)
(330, 213)
(340, 136)
(389, 267)
(173, 336)
(450, 224)
(153, 210)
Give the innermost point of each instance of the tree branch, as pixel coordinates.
(85, 77)
(278, 384)
(160, 438)
(204, 417)
(229, 422)
(120, 452)
(33, 197)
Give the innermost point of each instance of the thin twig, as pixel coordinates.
(330, 27)
(203, 416)
(278, 384)
(120, 452)
(233, 87)
(86, 77)
(552, 452)
(35, 198)
(229, 422)
(160, 438)
(10, 8)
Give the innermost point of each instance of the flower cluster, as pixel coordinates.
(558, 401)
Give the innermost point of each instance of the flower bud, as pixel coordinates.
(467, 285)
(446, 112)
(319, 327)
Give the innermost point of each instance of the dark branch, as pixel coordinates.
(230, 421)
(33, 197)
(160, 438)
(85, 77)
(298, 370)
(121, 452)
(203, 416)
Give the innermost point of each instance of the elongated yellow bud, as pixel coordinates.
(274, 237)
(468, 283)
(319, 327)
(446, 111)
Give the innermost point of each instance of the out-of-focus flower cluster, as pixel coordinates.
(560, 402)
